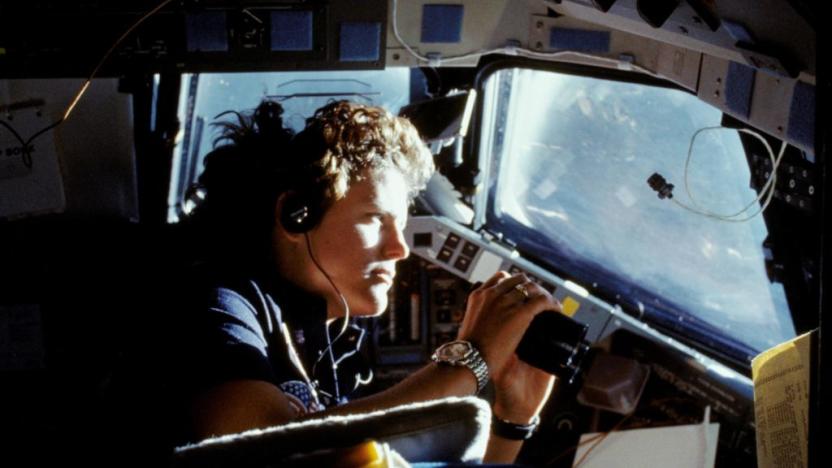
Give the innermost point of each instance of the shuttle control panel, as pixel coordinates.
(664, 382)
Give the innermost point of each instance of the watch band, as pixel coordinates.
(512, 431)
(477, 364)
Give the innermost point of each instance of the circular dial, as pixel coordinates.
(454, 351)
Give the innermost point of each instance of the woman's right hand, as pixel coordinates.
(498, 314)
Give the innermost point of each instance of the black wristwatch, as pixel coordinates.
(463, 353)
(512, 431)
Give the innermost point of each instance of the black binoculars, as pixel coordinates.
(554, 343)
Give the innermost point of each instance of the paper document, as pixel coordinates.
(685, 446)
(30, 178)
(781, 403)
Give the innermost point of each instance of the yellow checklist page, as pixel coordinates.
(781, 403)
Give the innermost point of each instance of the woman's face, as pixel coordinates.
(358, 242)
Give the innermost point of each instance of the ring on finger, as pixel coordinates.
(522, 289)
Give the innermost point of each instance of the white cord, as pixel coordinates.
(399, 37)
(767, 191)
(509, 50)
(331, 283)
(330, 343)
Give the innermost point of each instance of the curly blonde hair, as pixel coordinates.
(344, 142)
(257, 159)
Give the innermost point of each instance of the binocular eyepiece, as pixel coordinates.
(555, 343)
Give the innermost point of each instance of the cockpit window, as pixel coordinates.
(204, 96)
(569, 160)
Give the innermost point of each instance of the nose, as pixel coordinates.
(395, 246)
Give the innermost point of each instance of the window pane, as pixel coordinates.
(571, 158)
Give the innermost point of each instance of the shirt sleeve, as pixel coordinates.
(223, 339)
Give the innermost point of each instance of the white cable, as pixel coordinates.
(767, 190)
(508, 50)
(344, 303)
(399, 37)
(690, 154)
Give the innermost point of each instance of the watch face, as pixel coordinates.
(454, 351)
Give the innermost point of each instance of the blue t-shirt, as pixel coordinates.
(260, 327)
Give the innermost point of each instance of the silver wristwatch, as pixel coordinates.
(463, 353)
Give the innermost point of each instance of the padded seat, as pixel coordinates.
(452, 430)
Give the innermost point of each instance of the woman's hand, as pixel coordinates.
(497, 316)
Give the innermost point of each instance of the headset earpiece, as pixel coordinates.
(298, 215)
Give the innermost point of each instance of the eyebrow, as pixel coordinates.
(391, 213)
